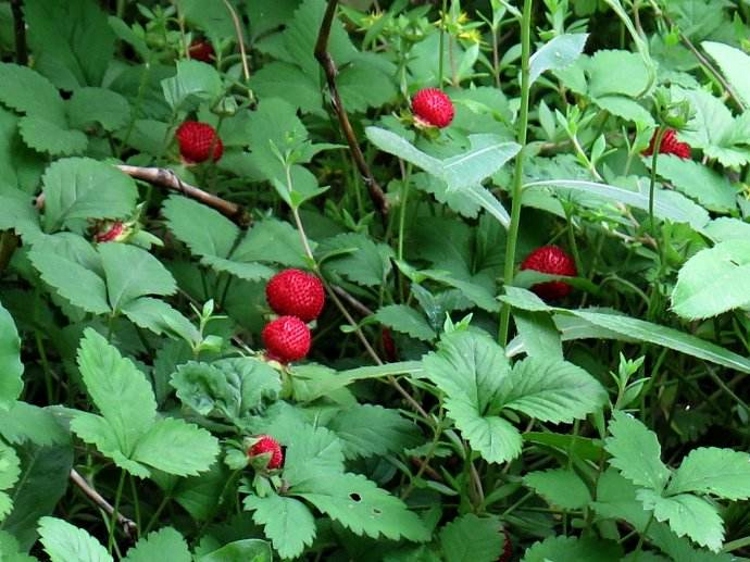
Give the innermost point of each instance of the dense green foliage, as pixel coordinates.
(445, 410)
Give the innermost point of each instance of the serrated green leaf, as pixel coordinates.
(75, 283)
(636, 452)
(286, 521)
(553, 390)
(24, 422)
(470, 538)
(176, 447)
(97, 431)
(288, 82)
(572, 549)
(216, 234)
(602, 81)
(712, 281)
(66, 543)
(734, 65)
(246, 271)
(368, 430)
(194, 80)
(360, 506)
(11, 549)
(118, 389)
(164, 543)
(709, 470)
(687, 514)
(132, 272)
(82, 188)
(537, 335)
(405, 319)
(363, 84)
(98, 105)
(29, 92)
(72, 41)
(558, 53)
(10, 470)
(230, 388)
(560, 487)
(310, 450)
(357, 258)
(44, 135)
(160, 318)
(271, 241)
(11, 368)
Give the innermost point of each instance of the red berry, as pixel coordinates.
(432, 108)
(507, 549)
(287, 339)
(201, 50)
(669, 145)
(553, 261)
(296, 293)
(196, 141)
(113, 232)
(267, 445)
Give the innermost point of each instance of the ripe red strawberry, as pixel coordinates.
(287, 339)
(201, 50)
(507, 548)
(669, 145)
(432, 108)
(196, 141)
(296, 293)
(554, 261)
(267, 445)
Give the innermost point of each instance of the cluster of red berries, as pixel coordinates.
(267, 445)
(298, 298)
(198, 142)
(553, 261)
(669, 145)
(432, 108)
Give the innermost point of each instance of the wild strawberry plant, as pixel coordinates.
(374, 280)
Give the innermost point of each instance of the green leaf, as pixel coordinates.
(98, 105)
(72, 41)
(602, 81)
(559, 53)
(44, 135)
(177, 447)
(194, 81)
(231, 388)
(132, 272)
(286, 521)
(553, 390)
(571, 549)
(537, 335)
(271, 241)
(560, 487)
(687, 514)
(286, 81)
(734, 65)
(66, 543)
(470, 538)
(406, 320)
(10, 470)
(473, 372)
(359, 505)
(245, 550)
(29, 92)
(246, 271)
(205, 231)
(711, 189)
(11, 550)
(369, 430)
(311, 450)
(712, 281)
(11, 368)
(160, 318)
(165, 543)
(24, 422)
(636, 452)
(72, 281)
(357, 258)
(710, 470)
(82, 188)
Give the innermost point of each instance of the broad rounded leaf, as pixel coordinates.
(470, 538)
(286, 521)
(710, 470)
(132, 272)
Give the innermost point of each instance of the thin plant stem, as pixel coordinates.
(523, 123)
(441, 44)
(115, 512)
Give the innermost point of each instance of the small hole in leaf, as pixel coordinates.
(355, 497)
(376, 511)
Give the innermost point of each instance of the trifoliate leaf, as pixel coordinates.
(636, 452)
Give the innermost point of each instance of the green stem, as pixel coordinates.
(441, 44)
(155, 517)
(515, 213)
(115, 512)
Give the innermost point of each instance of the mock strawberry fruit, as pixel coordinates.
(507, 548)
(553, 261)
(198, 142)
(287, 339)
(669, 145)
(294, 292)
(432, 108)
(115, 231)
(267, 445)
(201, 50)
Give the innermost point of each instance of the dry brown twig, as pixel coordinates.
(128, 525)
